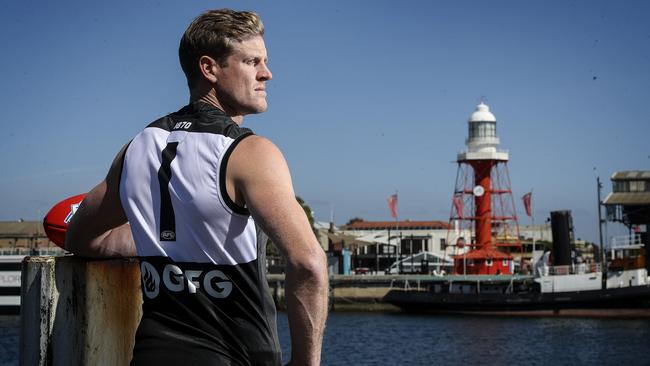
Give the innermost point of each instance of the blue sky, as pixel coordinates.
(368, 97)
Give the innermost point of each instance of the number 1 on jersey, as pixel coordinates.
(167, 218)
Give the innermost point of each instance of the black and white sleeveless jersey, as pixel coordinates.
(206, 299)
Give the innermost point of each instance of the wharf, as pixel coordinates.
(366, 292)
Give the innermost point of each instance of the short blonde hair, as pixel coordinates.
(213, 34)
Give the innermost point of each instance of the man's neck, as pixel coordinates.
(211, 99)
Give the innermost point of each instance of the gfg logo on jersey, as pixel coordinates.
(215, 283)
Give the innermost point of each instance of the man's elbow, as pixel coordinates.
(312, 267)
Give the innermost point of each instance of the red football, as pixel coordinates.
(56, 221)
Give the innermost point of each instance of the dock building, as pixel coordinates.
(376, 246)
(629, 204)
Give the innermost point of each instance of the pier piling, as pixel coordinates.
(76, 311)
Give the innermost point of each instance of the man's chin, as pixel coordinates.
(257, 109)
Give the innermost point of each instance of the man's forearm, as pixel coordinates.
(117, 242)
(306, 297)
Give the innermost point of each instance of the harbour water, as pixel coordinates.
(9, 338)
(400, 339)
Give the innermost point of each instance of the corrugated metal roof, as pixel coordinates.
(631, 175)
(384, 225)
(628, 198)
(484, 253)
(21, 228)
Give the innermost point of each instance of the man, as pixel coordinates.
(186, 195)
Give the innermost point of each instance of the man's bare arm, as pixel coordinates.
(99, 228)
(258, 175)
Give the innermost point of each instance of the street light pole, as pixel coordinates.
(603, 260)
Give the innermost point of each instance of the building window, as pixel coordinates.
(637, 186)
(631, 186)
(620, 186)
(488, 262)
(417, 245)
(443, 244)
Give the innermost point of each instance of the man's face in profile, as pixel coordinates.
(241, 82)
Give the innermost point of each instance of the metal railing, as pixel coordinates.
(581, 268)
(32, 252)
(625, 240)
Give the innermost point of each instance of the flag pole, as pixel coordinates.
(392, 205)
(528, 206)
(532, 218)
(398, 244)
(396, 215)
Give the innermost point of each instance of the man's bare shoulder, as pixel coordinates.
(256, 171)
(258, 145)
(256, 155)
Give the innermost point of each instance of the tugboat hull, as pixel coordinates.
(634, 301)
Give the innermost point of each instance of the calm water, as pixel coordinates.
(396, 339)
(9, 332)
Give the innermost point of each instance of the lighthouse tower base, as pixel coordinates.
(483, 262)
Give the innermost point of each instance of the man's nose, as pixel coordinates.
(264, 73)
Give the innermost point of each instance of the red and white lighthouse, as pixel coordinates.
(482, 202)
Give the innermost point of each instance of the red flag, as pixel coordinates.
(392, 205)
(458, 203)
(528, 203)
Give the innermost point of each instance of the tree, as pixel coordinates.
(353, 220)
(308, 212)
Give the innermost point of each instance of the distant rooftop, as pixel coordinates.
(631, 175)
(628, 198)
(21, 229)
(23, 234)
(399, 225)
(630, 188)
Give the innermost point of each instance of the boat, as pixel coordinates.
(621, 289)
(19, 239)
(10, 263)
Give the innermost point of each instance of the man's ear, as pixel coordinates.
(209, 68)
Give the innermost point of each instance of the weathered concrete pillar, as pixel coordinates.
(76, 311)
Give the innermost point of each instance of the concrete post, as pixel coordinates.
(38, 301)
(76, 311)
